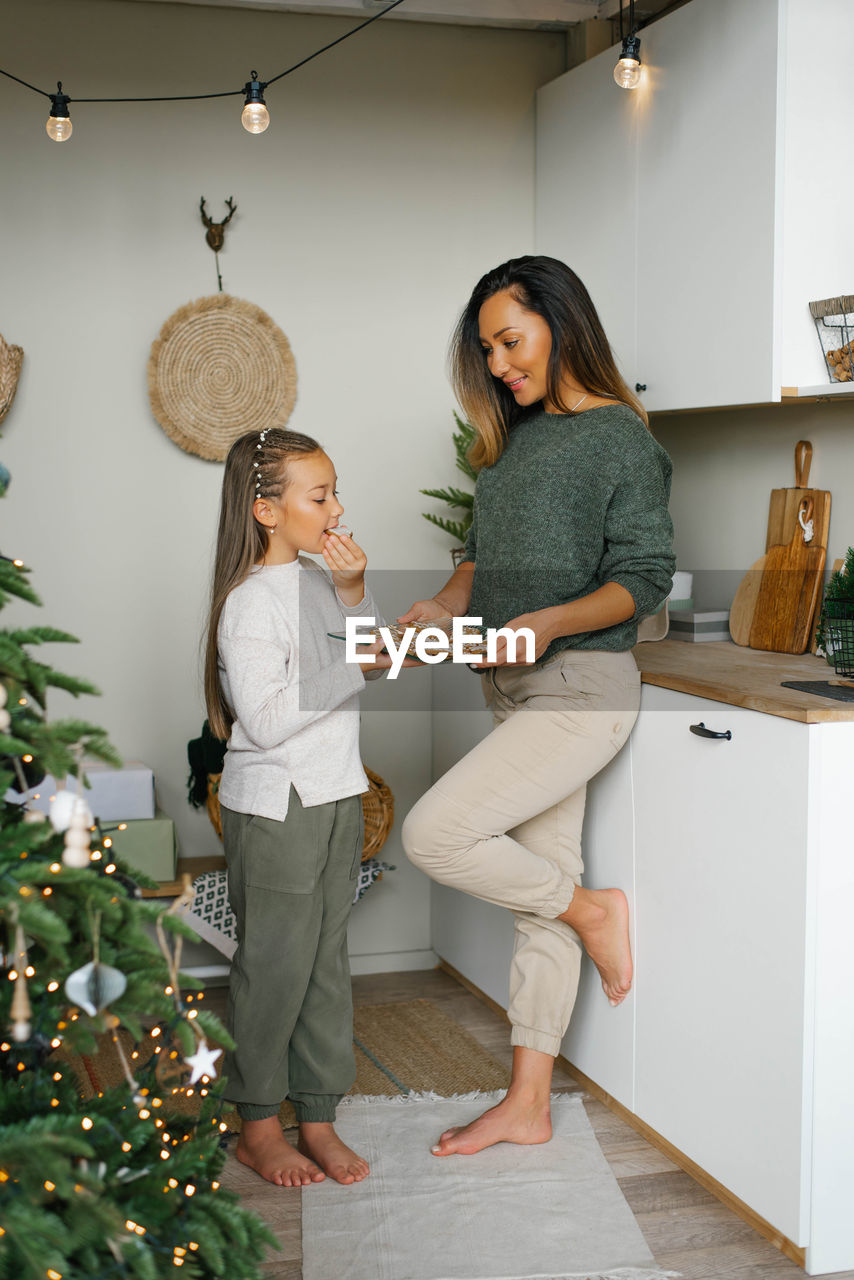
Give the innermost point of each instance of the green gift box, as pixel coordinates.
(149, 845)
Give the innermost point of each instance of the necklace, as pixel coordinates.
(575, 406)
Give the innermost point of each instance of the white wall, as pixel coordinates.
(397, 169)
(725, 464)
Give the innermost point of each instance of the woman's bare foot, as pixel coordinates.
(320, 1142)
(517, 1118)
(600, 917)
(263, 1147)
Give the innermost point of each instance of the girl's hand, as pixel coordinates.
(424, 611)
(542, 623)
(348, 562)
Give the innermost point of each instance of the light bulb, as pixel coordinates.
(255, 117)
(59, 122)
(627, 72)
(59, 128)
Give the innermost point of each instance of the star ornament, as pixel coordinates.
(203, 1062)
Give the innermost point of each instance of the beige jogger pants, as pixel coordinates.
(504, 824)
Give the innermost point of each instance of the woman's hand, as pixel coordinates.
(424, 611)
(542, 622)
(348, 562)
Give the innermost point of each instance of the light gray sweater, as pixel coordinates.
(294, 697)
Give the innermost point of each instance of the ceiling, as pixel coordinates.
(554, 15)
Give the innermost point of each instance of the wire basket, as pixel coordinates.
(834, 323)
(839, 635)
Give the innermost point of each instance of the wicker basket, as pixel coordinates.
(377, 807)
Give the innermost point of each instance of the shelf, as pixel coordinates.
(825, 391)
(190, 866)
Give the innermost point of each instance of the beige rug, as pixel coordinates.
(549, 1212)
(399, 1048)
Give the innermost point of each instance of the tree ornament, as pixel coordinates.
(95, 986)
(63, 807)
(76, 851)
(203, 1061)
(34, 816)
(5, 719)
(21, 1010)
(3, 695)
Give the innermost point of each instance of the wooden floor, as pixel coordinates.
(686, 1228)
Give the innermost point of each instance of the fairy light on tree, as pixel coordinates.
(82, 1161)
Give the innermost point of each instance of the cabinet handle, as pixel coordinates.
(702, 732)
(640, 386)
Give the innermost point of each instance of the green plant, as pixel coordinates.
(459, 499)
(840, 587)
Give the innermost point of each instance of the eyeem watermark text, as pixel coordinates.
(433, 644)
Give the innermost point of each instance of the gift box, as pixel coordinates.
(695, 625)
(149, 845)
(115, 795)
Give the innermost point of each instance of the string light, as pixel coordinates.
(255, 117)
(59, 124)
(627, 72)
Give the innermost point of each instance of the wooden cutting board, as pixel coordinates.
(788, 591)
(785, 503)
(744, 602)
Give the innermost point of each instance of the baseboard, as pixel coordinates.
(790, 1250)
(393, 962)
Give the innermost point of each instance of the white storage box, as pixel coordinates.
(115, 795)
(695, 626)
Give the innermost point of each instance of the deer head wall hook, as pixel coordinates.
(216, 230)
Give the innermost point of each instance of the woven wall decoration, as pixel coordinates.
(10, 368)
(220, 367)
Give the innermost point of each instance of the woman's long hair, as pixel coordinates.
(256, 467)
(579, 346)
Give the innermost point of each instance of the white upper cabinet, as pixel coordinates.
(705, 209)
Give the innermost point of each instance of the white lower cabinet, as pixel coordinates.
(724, 982)
(736, 1044)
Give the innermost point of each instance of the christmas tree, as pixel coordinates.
(124, 1182)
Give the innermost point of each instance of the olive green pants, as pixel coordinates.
(290, 1010)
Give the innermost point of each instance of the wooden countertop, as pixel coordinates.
(726, 672)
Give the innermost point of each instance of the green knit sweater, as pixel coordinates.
(572, 503)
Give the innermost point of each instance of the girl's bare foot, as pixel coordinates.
(320, 1141)
(600, 917)
(263, 1147)
(517, 1118)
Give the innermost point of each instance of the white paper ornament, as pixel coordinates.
(3, 695)
(64, 805)
(5, 720)
(203, 1061)
(95, 986)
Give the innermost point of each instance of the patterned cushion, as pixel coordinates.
(211, 901)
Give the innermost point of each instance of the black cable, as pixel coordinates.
(332, 44)
(24, 82)
(227, 93)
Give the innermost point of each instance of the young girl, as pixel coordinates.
(278, 688)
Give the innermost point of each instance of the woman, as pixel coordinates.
(571, 538)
